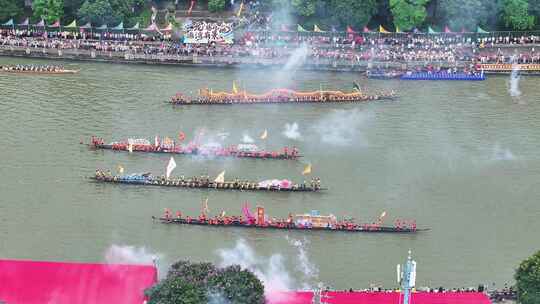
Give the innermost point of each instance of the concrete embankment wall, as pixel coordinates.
(206, 61)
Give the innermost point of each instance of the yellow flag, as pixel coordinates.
(240, 9)
(307, 170)
(265, 134)
(398, 30)
(130, 148)
(382, 215)
(220, 178)
(120, 169)
(382, 30)
(317, 29)
(234, 88)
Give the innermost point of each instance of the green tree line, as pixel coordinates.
(392, 14)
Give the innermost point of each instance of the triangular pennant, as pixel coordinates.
(300, 28)
(317, 29)
(383, 30)
(102, 27)
(135, 27)
(366, 30)
(26, 22)
(350, 30)
(41, 23)
(481, 31)
(447, 30)
(86, 26)
(119, 27)
(55, 24)
(72, 24)
(9, 22)
(430, 30)
(398, 30)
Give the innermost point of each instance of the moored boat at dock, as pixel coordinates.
(31, 69)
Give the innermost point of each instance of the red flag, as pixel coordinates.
(55, 24)
(350, 30)
(191, 7)
(447, 29)
(366, 30)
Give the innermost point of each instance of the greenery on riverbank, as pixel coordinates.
(392, 14)
(528, 280)
(194, 283)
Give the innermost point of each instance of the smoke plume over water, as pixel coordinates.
(514, 82)
(272, 271)
(343, 127)
(291, 131)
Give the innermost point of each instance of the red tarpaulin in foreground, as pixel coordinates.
(382, 298)
(37, 282)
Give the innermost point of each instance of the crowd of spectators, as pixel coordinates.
(278, 46)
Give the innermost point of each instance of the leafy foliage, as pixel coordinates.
(466, 14)
(216, 5)
(194, 283)
(50, 10)
(97, 12)
(304, 8)
(352, 12)
(408, 13)
(516, 15)
(528, 280)
(10, 9)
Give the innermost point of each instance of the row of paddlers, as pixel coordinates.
(205, 183)
(241, 223)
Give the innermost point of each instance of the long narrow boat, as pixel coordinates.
(278, 96)
(37, 71)
(443, 76)
(238, 151)
(301, 222)
(204, 182)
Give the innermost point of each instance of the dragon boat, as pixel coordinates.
(168, 146)
(204, 182)
(277, 96)
(382, 75)
(38, 70)
(443, 76)
(312, 221)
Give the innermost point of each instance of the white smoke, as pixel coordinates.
(217, 298)
(513, 89)
(291, 131)
(343, 127)
(247, 139)
(297, 58)
(123, 254)
(309, 271)
(500, 153)
(272, 271)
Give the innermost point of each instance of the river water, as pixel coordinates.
(459, 157)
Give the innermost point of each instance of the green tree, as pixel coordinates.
(305, 8)
(352, 12)
(10, 9)
(216, 5)
(528, 280)
(516, 15)
(466, 14)
(97, 12)
(194, 283)
(237, 285)
(50, 10)
(408, 13)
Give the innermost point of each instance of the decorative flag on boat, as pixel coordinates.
(9, 22)
(398, 30)
(156, 141)
(120, 169)
(356, 86)
(72, 24)
(234, 88)
(41, 23)
(55, 24)
(265, 134)
(382, 215)
(222, 214)
(205, 209)
(307, 170)
(170, 166)
(299, 28)
(317, 29)
(130, 148)
(447, 30)
(220, 178)
(181, 136)
(350, 30)
(240, 9)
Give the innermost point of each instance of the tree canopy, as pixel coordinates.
(194, 283)
(49, 10)
(10, 9)
(408, 13)
(516, 15)
(528, 280)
